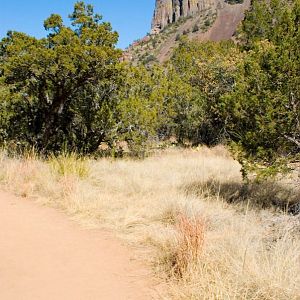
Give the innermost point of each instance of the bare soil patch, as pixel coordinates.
(46, 256)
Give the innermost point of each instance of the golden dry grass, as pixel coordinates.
(199, 244)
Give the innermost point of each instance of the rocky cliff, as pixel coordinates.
(201, 20)
(170, 11)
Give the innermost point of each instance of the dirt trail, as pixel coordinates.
(43, 255)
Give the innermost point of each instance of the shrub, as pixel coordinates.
(234, 1)
(207, 23)
(195, 28)
(190, 243)
(62, 87)
(263, 110)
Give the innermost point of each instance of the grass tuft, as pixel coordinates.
(189, 244)
(70, 164)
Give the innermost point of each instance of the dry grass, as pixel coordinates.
(200, 244)
(189, 244)
(70, 164)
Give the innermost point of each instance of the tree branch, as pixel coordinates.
(291, 139)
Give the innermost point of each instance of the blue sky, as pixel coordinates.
(131, 18)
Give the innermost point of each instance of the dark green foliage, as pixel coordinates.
(207, 23)
(276, 21)
(195, 28)
(63, 87)
(263, 111)
(148, 59)
(4, 112)
(250, 93)
(155, 104)
(209, 68)
(234, 1)
(70, 92)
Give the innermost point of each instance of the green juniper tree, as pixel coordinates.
(263, 111)
(62, 87)
(209, 68)
(155, 104)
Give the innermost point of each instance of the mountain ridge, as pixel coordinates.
(216, 20)
(170, 11)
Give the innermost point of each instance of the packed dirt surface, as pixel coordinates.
(43, 255)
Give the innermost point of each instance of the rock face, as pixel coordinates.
(200, 20)
(169, 11)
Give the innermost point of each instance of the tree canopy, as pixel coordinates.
(62, 86)
(263, 110)
(69, 91)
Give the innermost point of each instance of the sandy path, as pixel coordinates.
(43, 255)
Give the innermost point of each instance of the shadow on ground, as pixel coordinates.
(269, 194)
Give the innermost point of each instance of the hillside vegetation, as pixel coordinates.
(159, 47)
(217, 23)
(69, 92)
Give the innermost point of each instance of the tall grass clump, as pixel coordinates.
(70, 164)
(189, 243)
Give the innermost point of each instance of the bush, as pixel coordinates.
(62, 88)
(195, 28)
(150, 58)
(189, 244)
(209, 69)
(207, 23)
(263, 110)
(234, 1)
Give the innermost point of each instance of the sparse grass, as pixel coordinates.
(201, 244)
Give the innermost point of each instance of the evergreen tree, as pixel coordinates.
(63, 87)
(263, 111)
